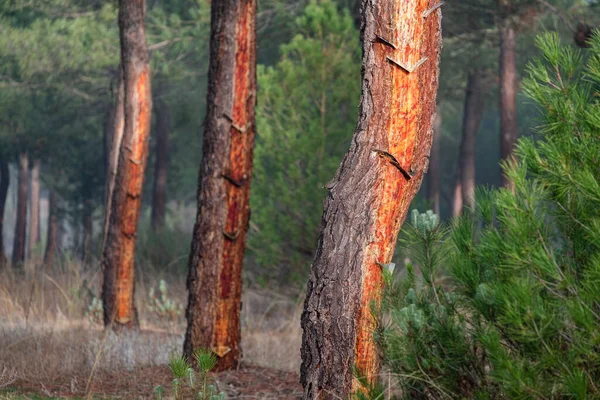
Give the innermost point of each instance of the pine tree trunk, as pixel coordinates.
(34, 213)
(369, 197)
(508, 96)
(433, 181)
(118, 254)
(214, 279)
(51, 243)
(60, 230)
(457, 200)
(159, 191)
(113, 135)
(4, 184)
(18, 256)
(472, 112)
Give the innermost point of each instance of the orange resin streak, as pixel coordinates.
(401, 133)
(240, 159)
(131, 207)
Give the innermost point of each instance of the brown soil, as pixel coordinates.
(248, 382)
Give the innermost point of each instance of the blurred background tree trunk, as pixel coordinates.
(51, 242)
(509, 131)
(159, 190)
(473, 109)
(34, 211)
(4, 185)
(18, 256)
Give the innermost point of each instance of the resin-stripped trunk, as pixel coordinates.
(118, 253)
(217, 253)
(369, 196)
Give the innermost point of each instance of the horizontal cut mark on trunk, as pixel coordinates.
(408, 69)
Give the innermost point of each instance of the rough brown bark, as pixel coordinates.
(509, 132)
(369, 197)
(159, 190)
(4, 184)
(51, 242)
(118, 253)
(34, 212)
(214, 279)
(113, 135)
(18, 256)
(433, 181)
(472, 112)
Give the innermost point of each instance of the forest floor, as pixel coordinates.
(247, 382)
(53, 346)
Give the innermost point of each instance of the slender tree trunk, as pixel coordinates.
(508, 96)
(369, 197)
(4, 184)
(457, 200)
(51, 243)
(88, 229)
(118, 254)
(159, 191)
(113, 136)
(214, 279)
(433, 190)
(18, 256)
(34, 213)
(472, 112)
(60, 229)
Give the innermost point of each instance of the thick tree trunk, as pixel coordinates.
(88, 229)
(508, 96)
(34, 212)
(159, 191)
(118, 254)
(51, 243)
(214, 279)
(4, 184)
(433, 181)
(18, 256)
(472, 112)
(369, 197)
(113, 135)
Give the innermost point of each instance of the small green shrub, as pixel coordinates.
(95, 312)
(162, 306)
(185, 376)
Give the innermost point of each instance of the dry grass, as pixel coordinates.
(45, 333)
